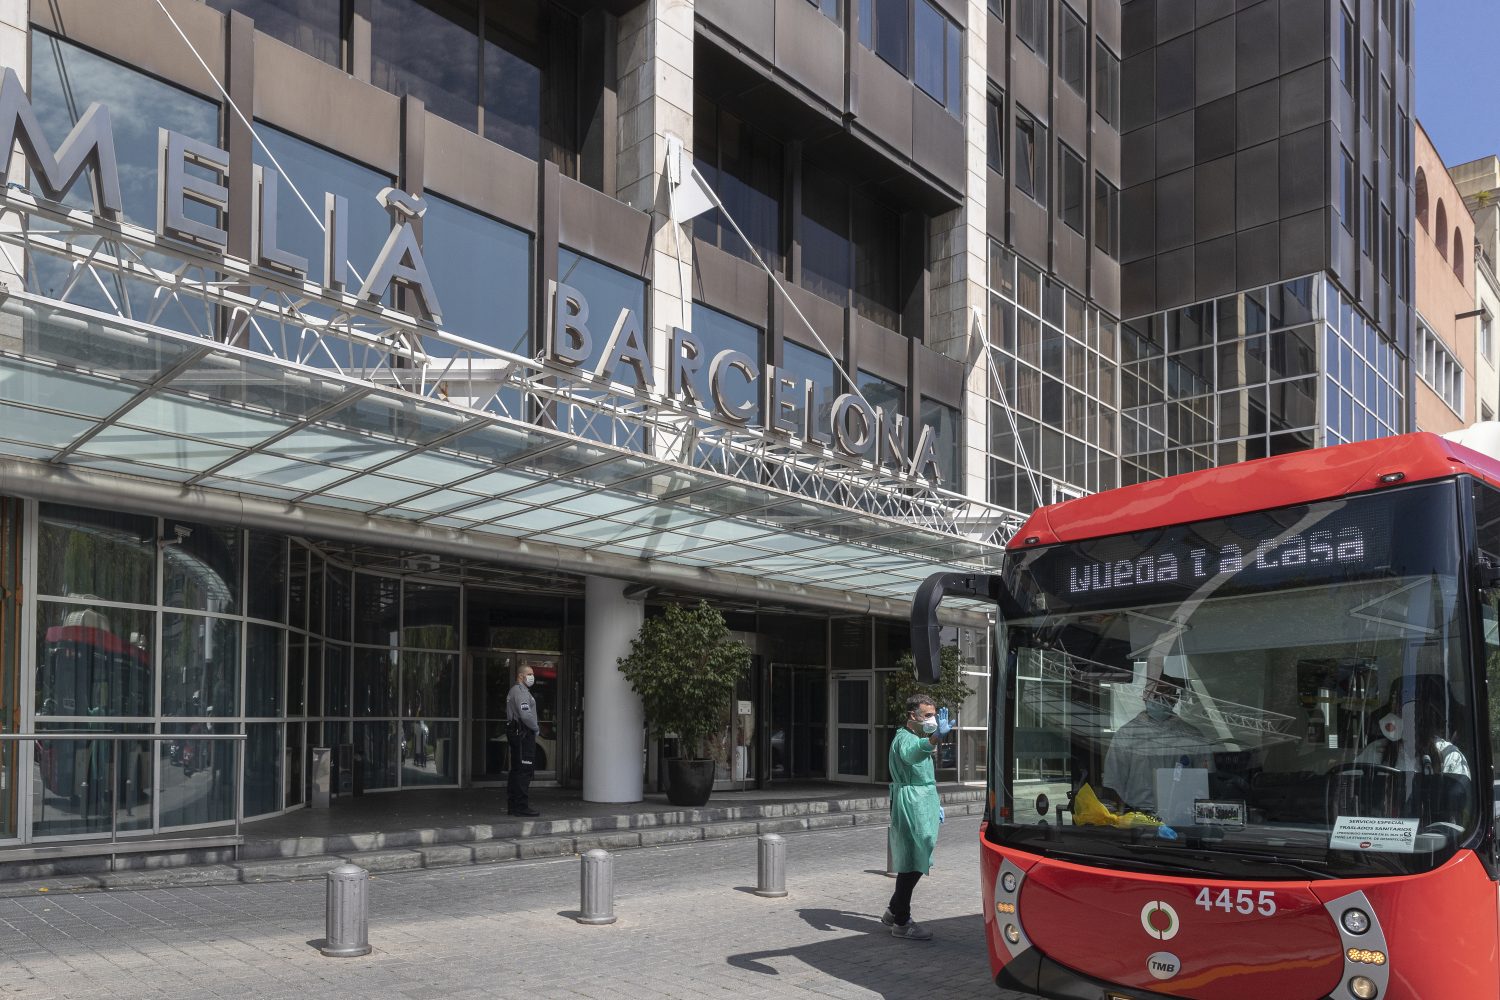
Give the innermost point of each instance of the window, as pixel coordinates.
(1346, 50)
(851, 246)
(939, 56)
(1384, 125)
(1033, 25)
(1031, 157)
(1458, 253)
(1106, 216)
(1347, 188)
(877, 262)
(314, 26)
(891, 27)
(1387, 242)
(1367, 226)
(1403, 144)
(1403, 267)
(1440, 231)
(485, 268)
(997, 7)
(1367, 84)
(1486, 336)
(944, 421)
(1388, 13)
(745, 168)
(1073, 53)
(825, 234)
(1403, 35)
(1107, 84)
(994, 140)
(1440, 369)
(919, 41)
(830, 8)
(1070, 188)
(1422, 198)
(429, 50)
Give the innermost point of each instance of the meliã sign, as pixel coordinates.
(723, 386)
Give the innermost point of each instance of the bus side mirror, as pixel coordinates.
(926, 633)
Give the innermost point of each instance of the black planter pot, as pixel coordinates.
(689, 782)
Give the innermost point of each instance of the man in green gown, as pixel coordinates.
(915, 809)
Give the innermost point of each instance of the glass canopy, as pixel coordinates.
(78, 388)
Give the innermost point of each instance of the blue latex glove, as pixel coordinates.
(941, 815)
(944, 726)
(1164, 832)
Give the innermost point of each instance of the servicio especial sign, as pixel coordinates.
(727, 386)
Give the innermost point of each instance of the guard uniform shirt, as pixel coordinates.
(520, 707)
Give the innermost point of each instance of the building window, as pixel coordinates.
(1440, 369)
(919, 41)
(1070, 188)
(1033, 25)
(1440, 232)
(1073, 54)
(944, 421)
(830, 8)
(1346, 50)
(1384, 125)
(1458, 254)
(1367, 223)
(1403, 144)
(314, 26)
(430, 51)
(851, 247)
(997, 7)
(485, 267)
(1421, 196)
(1031, 157)
(1347, 188)
(1367, 85)
(1486, 337)
(994, 139)
(1107, 84)
(1106, 217)
(745, 168)
(1403, 34)
(1403, 267)
(939, 56)
(1387, 242)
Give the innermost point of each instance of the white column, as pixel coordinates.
(613, 722)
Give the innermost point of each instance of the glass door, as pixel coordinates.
(852, 721)
(494, 673)
(799, 722)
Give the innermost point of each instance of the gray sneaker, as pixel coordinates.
(911, 931)
(888, 918)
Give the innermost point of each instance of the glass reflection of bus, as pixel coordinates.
(1244, 731)
(87, 670)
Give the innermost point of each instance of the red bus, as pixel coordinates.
(1244, 730)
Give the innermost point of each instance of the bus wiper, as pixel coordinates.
(1270, 859)
(1104, 860)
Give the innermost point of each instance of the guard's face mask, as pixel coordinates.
(530, 679)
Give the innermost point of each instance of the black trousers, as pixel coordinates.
(522, 767)
(900, 906)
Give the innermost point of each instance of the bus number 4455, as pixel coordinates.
(1245, 901)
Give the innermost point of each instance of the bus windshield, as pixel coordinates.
(1284, 694)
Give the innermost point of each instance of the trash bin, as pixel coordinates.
(321, 777)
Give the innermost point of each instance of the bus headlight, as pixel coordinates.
(1008, 880)
(1356, 921)
(1363, 988)
(1013, 935)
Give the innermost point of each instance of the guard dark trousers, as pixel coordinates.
(522, 767)
(901, 899)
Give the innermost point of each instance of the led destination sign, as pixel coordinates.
(1401, 532)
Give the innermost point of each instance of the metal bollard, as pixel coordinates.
(771, 875)
(596, 888)
(348, 912)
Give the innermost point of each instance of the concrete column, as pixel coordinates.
(959, 251)
(655, 102)
(612, 717)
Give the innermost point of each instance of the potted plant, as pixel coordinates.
(684, 666)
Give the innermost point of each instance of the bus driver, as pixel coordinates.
(1155, 738)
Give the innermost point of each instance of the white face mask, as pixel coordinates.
(1390, 726)
(530, 679)
(929, 726)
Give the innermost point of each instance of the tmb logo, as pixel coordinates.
(1163, 965)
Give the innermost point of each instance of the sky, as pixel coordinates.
(1456, 55)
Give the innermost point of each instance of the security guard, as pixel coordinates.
(521, 728)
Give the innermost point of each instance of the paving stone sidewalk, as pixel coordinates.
(688, 928)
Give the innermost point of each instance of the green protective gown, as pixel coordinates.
(914, 803)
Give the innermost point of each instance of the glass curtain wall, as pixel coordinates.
(1057, 361)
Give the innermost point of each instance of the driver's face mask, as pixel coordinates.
(1390, 726)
